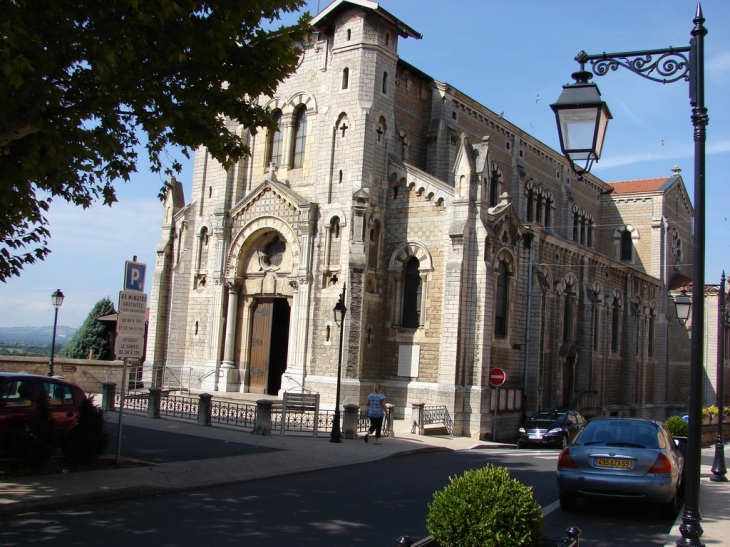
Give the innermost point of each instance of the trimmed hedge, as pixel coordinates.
(677, 426)
(485, 508)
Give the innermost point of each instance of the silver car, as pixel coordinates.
(622, 458)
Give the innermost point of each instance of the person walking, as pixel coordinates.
(376, 412)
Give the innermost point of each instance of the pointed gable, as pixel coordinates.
(464, 171)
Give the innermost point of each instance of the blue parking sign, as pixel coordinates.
(134, 273)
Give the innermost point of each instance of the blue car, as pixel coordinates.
(622, 459)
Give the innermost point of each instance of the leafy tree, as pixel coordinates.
(93, 334)
(81, 80)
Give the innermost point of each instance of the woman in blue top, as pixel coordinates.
(376, 412)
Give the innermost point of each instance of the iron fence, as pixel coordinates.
(179, 407)
(135, 401)
(438, 415)
(236, 414)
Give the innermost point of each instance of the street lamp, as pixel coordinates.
(664, 66)
(582, 119)
(56, 300)
(336, 433)
(718, 464)
(682, 305)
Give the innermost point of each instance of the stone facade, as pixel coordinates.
(464, 244)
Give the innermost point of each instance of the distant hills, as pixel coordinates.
(35, 335)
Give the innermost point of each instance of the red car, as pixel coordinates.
(18, 394)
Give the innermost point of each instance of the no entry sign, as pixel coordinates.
(497, 376)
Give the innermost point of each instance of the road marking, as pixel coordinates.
(550, 508)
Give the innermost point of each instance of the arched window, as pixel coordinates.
(626, 246)
(275, 141)
(334, 235)
(548, 213)
(203, 249)
(412, 294)
(615, 323)
(300, 137)
(502, 301)
(374, 247)
(494, 185)
(530, 204)
(650, 336)
(568, 316)
(385, 83)
(346, 78)
(381, 129)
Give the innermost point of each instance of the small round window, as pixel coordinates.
(274, 252)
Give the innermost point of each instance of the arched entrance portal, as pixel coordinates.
(269, 344)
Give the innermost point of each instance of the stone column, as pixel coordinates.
(263, 417)
(108, 392)
(204, 409)
(294, 376)
(349, 423)
(153, 405)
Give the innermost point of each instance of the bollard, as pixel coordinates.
(573, 536)
(417, 415)
(108, 392)
(153, 404)
(263, 417)
(349, 423)
(205, 409)
(388, 422)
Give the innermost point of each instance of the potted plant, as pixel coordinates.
(705, 416)
(678, 428)
(726, 414)
(485, 508)
(714, 413)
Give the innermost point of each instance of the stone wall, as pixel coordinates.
(87, 373)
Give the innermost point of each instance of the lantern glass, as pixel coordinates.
(683, 304)
(57, 298)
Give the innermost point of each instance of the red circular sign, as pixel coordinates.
(497, 377)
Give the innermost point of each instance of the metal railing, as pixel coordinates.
(236, 414)
(177, 378)
(179, 407)
(433, 415)
(133, 401)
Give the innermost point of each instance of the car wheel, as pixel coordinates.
(670, 508)
(568, 503)
(564, 442)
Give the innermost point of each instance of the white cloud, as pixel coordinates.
(718, 69)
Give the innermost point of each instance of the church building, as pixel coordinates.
(461, 243)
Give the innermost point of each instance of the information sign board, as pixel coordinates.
(129, 347)
(132, 302)
(130, 324)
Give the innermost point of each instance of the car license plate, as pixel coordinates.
(613, 462)
(536, 437)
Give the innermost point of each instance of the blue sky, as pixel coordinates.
(503, 54)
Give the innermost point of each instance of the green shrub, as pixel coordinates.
(36, 441)
(88, 440)
(485, 508)
(676, 426)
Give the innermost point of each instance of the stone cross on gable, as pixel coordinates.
(271, 171)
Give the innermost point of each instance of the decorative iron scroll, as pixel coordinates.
(663, 66)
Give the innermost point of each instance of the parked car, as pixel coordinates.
(551, 427)
(18, 395)
(622, 459)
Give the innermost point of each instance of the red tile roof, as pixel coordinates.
(644, 185)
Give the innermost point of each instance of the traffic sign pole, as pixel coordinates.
(130, 328)
(497, 377)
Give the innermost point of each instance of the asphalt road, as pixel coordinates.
(154, 446)
(367, 504)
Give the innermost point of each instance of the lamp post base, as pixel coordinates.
(336, 434)
(718, 465)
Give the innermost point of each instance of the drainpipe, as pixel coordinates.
(528, 241)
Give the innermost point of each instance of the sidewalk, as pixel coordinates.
(297, 454)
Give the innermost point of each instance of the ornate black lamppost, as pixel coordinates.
(336, 433)
(582, 120)
(718, 465)
(56, 300)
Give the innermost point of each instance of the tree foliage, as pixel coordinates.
(88, 440)
(80, 80)
(93, 334)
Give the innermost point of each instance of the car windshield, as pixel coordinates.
(619, 433)
(547, 415)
